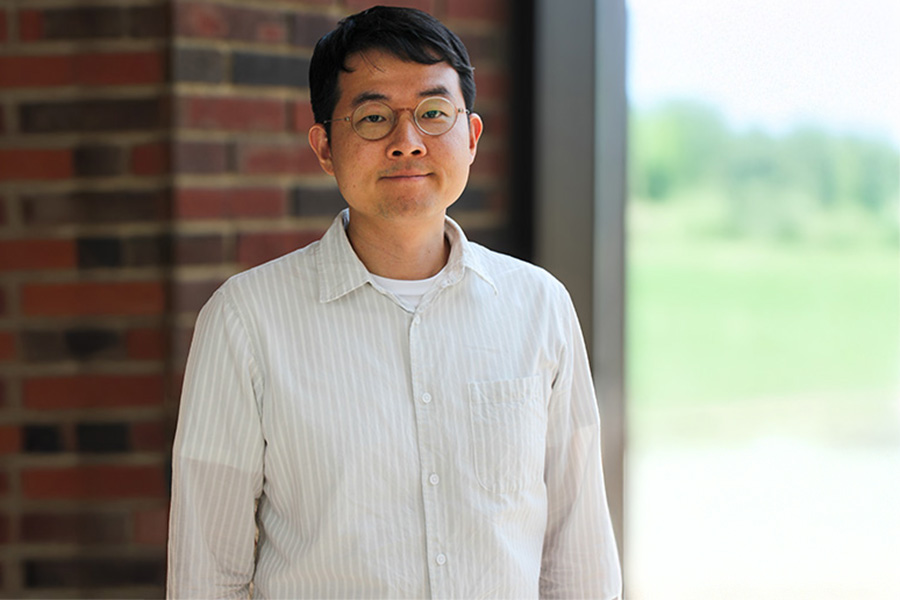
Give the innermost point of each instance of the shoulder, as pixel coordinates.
(516, 274)
(290, 275)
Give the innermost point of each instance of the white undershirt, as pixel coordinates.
(408, 291)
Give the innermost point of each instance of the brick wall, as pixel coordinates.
(84, 278)
(148, 150)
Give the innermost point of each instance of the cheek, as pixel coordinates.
(455, 146)
(349, 164)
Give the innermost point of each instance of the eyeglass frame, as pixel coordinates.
(396, 112)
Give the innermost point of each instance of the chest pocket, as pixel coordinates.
(508, 426)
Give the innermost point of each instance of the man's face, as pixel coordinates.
(407, 174)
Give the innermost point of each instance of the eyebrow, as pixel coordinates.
(366, 97)
(438, 90)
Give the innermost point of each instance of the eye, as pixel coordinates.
(434, 114)
(435, 110)
(372, 114)
(372, 118)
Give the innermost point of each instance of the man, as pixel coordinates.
(396, 412)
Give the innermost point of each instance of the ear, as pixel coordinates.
(476, 126)
(318, 141)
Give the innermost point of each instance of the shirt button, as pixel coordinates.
(426, 397)
(441, 559)
(416, 320)
(433, 479)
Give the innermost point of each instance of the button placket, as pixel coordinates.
(427, 436)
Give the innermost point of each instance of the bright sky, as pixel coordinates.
(772, 62)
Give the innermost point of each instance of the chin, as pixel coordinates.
(409, 207)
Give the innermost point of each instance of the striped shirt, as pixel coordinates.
(333, 443)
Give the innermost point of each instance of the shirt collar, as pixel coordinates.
(340, 271)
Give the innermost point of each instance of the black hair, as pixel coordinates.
(406, 33)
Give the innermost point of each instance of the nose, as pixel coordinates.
(406, 139)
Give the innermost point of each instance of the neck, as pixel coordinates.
(404, 250)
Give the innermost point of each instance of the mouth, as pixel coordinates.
(401, 177)
(405, 175)
(409, 173)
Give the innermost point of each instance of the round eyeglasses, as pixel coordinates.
(374, 120)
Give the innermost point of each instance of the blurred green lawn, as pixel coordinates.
(720, 322)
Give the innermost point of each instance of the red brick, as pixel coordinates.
(212, 203)
(95, 482)
(426, 5)
(195, 19)
(31, 25)
(3, 36)
(10, 439)
(233, 114)
(82, 299)
(197, 203)
(204, 20)
(201, 157)
(18, 255)
(36, 71)
(119, 69)
(146, 344)
(82, 69)
(22, 164)
(7, 346)
(303, 117)
(271, 159)
(150, 159)
(257, 25)
(92, 391)
(492, 10)
(270, 32)
(257, 248)
(151, 526)
(4, 484)
(257, 202)
(151, 436)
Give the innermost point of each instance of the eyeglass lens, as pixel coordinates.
(375, 120)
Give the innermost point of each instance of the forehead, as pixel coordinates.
(379, 73)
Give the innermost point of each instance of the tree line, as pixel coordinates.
(685, 149)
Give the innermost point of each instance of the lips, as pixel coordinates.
(405, 175)
(408, 171)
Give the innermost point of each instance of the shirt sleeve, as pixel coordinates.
(580, 559)
(217, 463)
